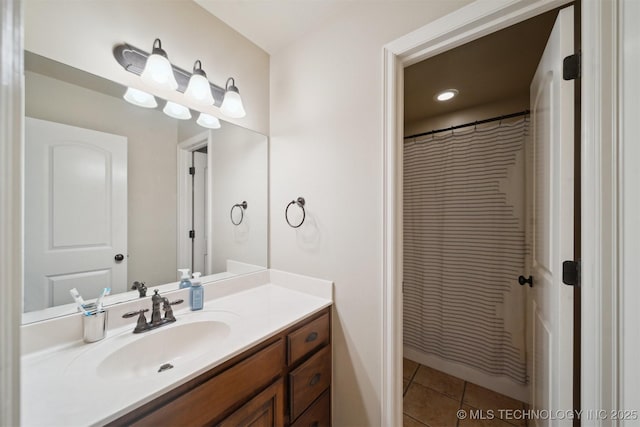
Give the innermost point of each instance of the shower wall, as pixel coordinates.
(464, 247)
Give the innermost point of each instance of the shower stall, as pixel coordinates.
(464, 248)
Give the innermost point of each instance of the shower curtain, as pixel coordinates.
(464, 248)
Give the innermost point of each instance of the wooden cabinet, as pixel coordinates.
(318, 414)
(283, 381)
(264, 410)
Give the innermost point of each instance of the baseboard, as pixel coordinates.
(500, 385)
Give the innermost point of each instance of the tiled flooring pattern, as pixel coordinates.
(432, 398)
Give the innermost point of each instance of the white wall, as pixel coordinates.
(326, 145)
(239, 162)
(83, 33)
(151, 166)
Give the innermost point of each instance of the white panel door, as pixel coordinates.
(199, 205)
(552, 139)
(75, 213)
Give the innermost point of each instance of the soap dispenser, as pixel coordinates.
(184, 280)
(196, 293)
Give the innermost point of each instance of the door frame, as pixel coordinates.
(185, 148)
(11, 223)
(599, 213)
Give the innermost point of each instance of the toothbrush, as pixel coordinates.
(105, 291)
(78, 299)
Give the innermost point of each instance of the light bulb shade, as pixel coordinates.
(199, 90)
(208, 121)
(158, 71)
(232, 105)
(140, 98)
(176, 111)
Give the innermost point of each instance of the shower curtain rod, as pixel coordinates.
(479, 122)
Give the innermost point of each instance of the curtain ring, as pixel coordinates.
(242, 207)
(300, 202)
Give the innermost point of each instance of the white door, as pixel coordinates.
(551, 310)
(199, 206)
(75, 213)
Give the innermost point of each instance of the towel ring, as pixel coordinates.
(242, 207)
(300, 202)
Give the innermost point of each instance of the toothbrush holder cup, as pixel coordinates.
(94, 325)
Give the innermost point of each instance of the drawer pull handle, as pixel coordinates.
(314, 424)
(314, 380)
(311, 337)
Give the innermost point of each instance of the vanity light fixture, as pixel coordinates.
(176, 111)
(446, 95)
(232, 103)
(158, 70)
(208, 121)
(145, 65)
(140, 98)
(198, 88)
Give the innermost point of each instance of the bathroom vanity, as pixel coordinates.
(279, 382)
(259, 352)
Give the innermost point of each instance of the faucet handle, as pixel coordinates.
(140, 287)
(168, 311)
(135, 313)
(141, 325)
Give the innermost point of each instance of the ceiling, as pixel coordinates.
(273, 24)
(493, 68)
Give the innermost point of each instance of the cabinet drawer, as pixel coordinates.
(309, 380)
(309, 337)
(318, 415)
(208, 401)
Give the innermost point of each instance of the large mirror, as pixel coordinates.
(116, 193)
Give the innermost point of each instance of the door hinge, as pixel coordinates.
(192, 234)
(192, 170)
(571, 67)
(571, 273)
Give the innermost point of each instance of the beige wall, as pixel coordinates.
(151, 152)
(239, 163)
(83, 33)
(326, 145)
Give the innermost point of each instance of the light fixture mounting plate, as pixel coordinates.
(134, 59)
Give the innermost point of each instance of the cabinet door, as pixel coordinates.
(264, 410)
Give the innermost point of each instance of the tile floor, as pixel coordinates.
(432, 398)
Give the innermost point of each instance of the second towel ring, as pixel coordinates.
(300, 202)
(242, 207)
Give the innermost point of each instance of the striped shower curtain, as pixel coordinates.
(464, 248)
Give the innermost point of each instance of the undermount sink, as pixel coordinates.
(163, 349)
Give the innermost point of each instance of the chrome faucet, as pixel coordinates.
(157, 319)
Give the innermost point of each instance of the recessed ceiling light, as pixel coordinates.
(446, 95)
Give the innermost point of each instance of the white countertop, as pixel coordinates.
(61, 387)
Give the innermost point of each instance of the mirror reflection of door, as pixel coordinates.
(75, 213)
(198, 211)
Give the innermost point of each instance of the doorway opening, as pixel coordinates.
(194, 219)
(478, 197)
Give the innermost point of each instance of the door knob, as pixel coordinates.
(522, 280)
(119, 257)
